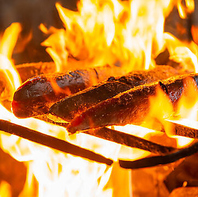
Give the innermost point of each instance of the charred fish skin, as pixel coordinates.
(129, 107)
(73, 105)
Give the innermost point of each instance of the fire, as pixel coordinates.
(182, 52)
(8, 42)
(51, 171)
(187, 109)
(184, 10)
(4, 189)
(187, 105)
(129, 34)
(162, 110)
(194, 31)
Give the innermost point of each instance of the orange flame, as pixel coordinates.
(187, 105)
(124, 32)
(161, 109)
(8, 42)
(185, 8)
(128, 33)
(5, 189)
(182, 52)
(56, 173)
(194, 30)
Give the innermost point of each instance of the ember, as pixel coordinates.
(122, 93)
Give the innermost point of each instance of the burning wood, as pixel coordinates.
(178, 129)
(157, 160)
(130, 107)
(130, 140)
(73, 105)
(104, 133)
(182, 130)
(51, 142)
(173, 87)
(186, 171)
(107, 134)
(123, 40)
(37, 94)
(30, 70)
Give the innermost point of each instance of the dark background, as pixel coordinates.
(31, 13)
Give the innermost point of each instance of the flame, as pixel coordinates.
(5, 190)
(56, 46)
(131, 35)
(187, 105)
(125, 33)
(52, 171)
(57, 172)
(182, 52)
(187, 108)
(7, 44)
(185, 7)
(143, 132)
(162, 110)
(117, 31)
(194, 30)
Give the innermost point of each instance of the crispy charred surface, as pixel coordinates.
(131, 106)
(71, 106)
(37, 94)
(29, 70)
(74, 104)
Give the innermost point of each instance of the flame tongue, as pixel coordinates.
(123, 33)
(117, 31)
(8, 42)
(49, 167)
